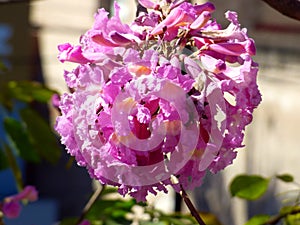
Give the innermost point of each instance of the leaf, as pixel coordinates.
(289, 209)
(41, 135)
(112, 222)
(258, 220)
(3, 160)
(293, 219)
(68, 221)
(109, 190)
(29, 91)
(291, 214)
(285, 177)
(210, 219)
(249, 187)
(20, 138)
(114, 210)
(153, 223)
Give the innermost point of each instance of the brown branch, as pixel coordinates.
(276, 219)
(290, 8)
(92, 200)
(191, 207)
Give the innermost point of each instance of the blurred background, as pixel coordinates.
(29, 34)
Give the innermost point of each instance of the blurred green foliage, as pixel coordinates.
(252, 187)
(24, 133)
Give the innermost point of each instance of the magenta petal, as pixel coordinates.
(71, 54)
(232, 49)
(148, 4)
(175, 16)
(143, 114)
(101, 40)
(85, 222)
(212, 64)
(201, 20)
(29, 193)
(208, 6)
(119, 38)
(250, 47)
(11, 209)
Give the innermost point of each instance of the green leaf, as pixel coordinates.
(109, 190)
(20, 138)
(285, 177)
(210, 219)
(41, 135)
(249, 187)
(29, 91)
(113, 222)
(3, 160)
(289, 209)
(258, 220)
(293, 219)
(154, 223)
(68, 221)
(291, 214)
(113, 210)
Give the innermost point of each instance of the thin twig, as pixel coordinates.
(191, 207)
(91, 201)
(276, 219)
(15, 168)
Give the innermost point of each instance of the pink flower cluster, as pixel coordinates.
(11, 206)
(160, 101)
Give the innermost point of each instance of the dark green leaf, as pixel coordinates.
(41, 135)
(20, 138)
(258, 220)
(113, 222)
(68, 221)
(155, 223)
(285, 177)
(210, 219)
(291, 214)
(111, 209)
(109, 190)
(293, 219)
(3, 160)
(29, 91)
(289, 209)
(249, 187)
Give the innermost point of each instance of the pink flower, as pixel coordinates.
(145, 109)
(11, 205)
(149, 4)
(105, 35)
(185, 16)
(71, 54)
(29, 193)
(85, 222)
(11, 209)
